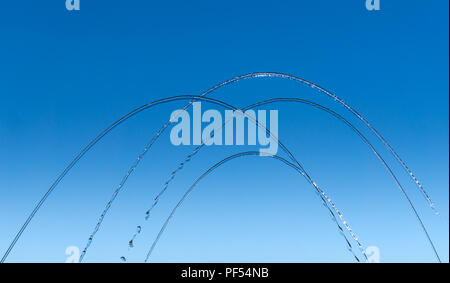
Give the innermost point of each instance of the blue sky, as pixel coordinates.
(66, 75)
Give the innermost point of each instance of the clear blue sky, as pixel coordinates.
(66, 75)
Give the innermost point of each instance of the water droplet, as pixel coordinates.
(123, 259)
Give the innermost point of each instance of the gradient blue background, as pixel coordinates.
(66, 75)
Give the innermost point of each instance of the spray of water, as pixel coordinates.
(131, 242)
(235, 79)
(348, 107)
